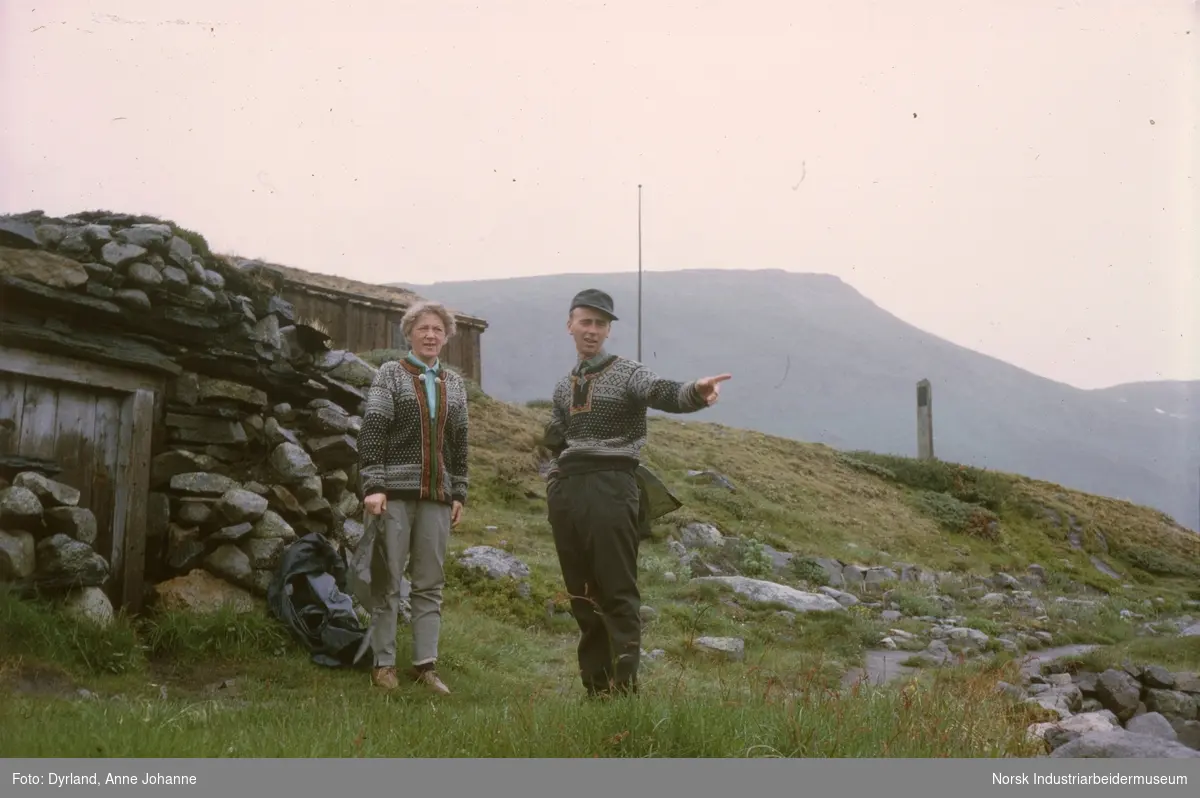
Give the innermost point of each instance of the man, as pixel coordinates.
(596, 435)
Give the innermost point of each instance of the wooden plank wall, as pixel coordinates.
(75, 426)
(361, 329)
(131, 497)
(98, 425)
(314, 308)
(462, 351)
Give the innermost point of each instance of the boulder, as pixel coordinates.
(238, 505)
(118, 255)
(292, 463)
(49, 492)
(1122, 744)
(39, 266)
(1064, 700)
(495, 563)
(193, 512)
(75, 522)
(701, 536)
(89, 604)
(352, 533)
(731, 648)
(17, 551)
(840, 596)
(231, 534)
(1153, 724)
(210, 389)
(202, 593)
(308, 489)
(334, 452)
(23, 236)
(1061, 732)
(965, 637)
(1158, 677)
(1188, 732)
(202, 483)
(271, 526)
(264, 553)
(764, 592)
(20, 510)
(168, 465)
(348, 367)
(1119, 692)
(1172, 703)
(230, 563)
(62, 562)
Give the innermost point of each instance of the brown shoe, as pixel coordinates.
(431, 680)
(385, 678)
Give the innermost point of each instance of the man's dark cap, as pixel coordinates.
(596, 300)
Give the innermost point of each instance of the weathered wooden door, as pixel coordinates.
(95, 423)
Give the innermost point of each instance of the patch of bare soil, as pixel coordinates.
(206, 680)
(33, 679)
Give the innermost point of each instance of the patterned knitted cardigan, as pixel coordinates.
(405, 453)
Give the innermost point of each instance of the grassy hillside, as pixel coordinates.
(177, 685)
(873, 509)
(815, 360)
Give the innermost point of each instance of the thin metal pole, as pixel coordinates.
(639, 343)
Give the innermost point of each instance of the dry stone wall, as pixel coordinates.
(256, 441)
(44, 533)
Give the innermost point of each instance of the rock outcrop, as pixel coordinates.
(762, 592)
(1128, 711)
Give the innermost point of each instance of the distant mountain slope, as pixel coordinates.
(1179, 399)
(815, 360)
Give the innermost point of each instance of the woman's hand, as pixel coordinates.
(456, 511)
(376, 503)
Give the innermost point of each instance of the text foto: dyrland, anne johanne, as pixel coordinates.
(95, 779)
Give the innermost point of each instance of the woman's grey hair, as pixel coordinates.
(419, 309)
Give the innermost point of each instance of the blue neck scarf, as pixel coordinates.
(429, 377)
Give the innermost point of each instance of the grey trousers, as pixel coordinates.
(419, 529)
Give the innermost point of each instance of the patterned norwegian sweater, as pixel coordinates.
(402, 451)
(599, 414)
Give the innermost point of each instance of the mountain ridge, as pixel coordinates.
(815, 359)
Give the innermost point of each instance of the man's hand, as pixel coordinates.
(376, 503)
(709, 388)
(456, 512)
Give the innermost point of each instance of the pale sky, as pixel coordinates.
(1039, 207)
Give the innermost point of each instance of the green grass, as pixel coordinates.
(228, 685)
(1173, 653)
(916, 601)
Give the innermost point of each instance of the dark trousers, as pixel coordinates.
(594, 517)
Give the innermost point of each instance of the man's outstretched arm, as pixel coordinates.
(672, 396)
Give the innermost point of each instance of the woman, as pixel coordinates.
(413, 469)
